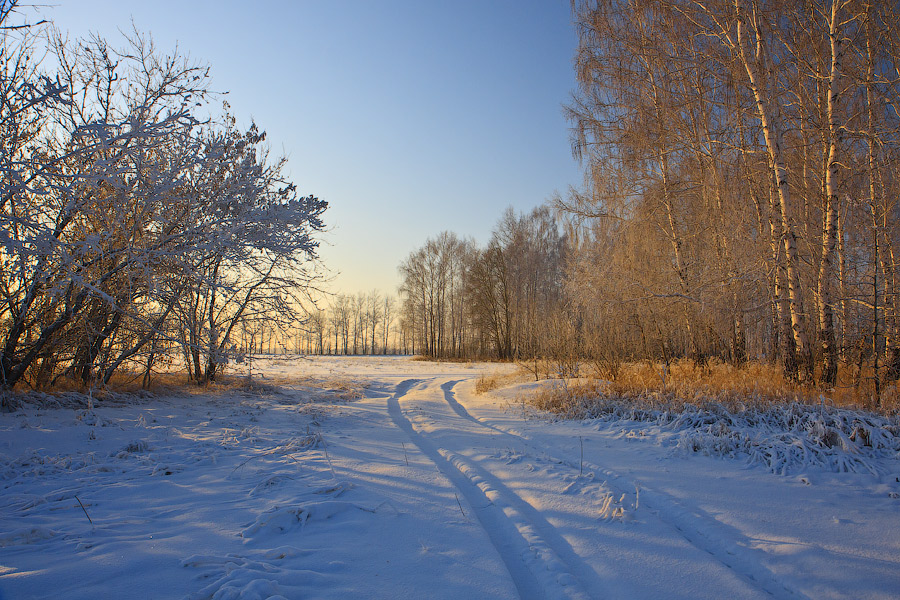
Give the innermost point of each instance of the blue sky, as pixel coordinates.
(408, 117)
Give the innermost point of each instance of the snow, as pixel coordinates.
(385, 477)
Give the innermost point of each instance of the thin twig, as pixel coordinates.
(255, 456)
(85, 511)
(460, 505)
(404, 453)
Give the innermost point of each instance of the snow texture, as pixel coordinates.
(422, 489)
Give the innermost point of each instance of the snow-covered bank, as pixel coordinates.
(419, 488)
(784, 438)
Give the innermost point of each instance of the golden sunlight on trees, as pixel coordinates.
(764, 138)
(740, 192)
(459, 300)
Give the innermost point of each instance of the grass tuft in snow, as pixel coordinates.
(782, 437)
(759, 381)
(488, 382)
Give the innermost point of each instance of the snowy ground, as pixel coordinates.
(390, 478)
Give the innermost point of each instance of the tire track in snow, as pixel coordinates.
(701, 530)
(549, 550)
(518, 535)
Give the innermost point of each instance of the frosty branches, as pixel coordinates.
(127, 221)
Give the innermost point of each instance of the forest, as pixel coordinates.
(739, 204)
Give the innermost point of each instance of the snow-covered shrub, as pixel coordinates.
(783, 438)
(788, 438)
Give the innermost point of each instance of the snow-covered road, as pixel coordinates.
(567, 526)
(420, 489)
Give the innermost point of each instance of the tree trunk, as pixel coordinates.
(786, 346)
(772, 128)
(829, 233)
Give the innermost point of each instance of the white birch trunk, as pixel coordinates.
(772, 129)
(829, 232)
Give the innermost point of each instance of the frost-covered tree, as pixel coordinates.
(254, 244)
(121, 210)
(87, 228)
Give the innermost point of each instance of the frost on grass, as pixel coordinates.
(135, 447)
(784, 439)
(38, 464)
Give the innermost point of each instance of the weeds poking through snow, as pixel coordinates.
(136, 447)
(782, 437)
(581, 462)
(612, 511)
(485, 383)
(328, 458)
(616, 509)
(85, 511)
(290, 447)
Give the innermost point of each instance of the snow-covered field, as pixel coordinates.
(390, 478)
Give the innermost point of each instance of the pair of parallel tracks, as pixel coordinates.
(541, 562)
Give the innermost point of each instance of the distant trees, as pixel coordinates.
(351, 324)
(433, 295)
(515, 284)
(460, 300)
(127, 224)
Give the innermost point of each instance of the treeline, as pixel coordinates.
(505, 300)
(740, 198)
(352, 324)
(137, 225)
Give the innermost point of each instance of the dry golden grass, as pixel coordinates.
(327, 387)
(173, 383)
(342, 389)
(447, 359)
(487, 382)
(755, 383)
(178, 384)
(123, 382)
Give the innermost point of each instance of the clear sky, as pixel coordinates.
(409, 117)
